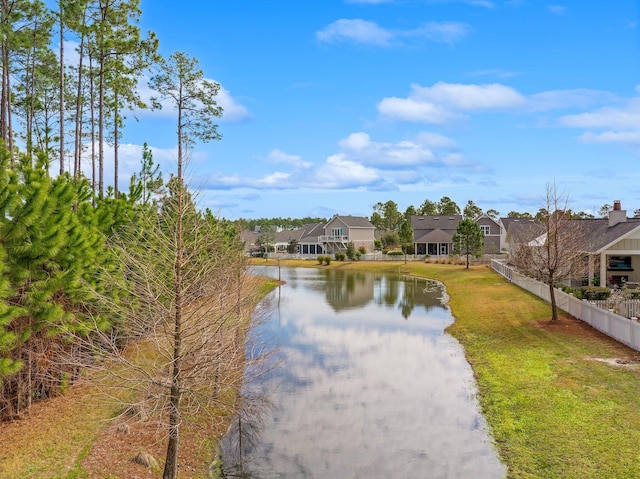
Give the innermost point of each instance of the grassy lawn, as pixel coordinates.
(555, 409)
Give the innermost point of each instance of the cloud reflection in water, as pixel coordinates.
(367, 393)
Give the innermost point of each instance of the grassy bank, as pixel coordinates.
(555, 407)
(561, 401)
(73, 437)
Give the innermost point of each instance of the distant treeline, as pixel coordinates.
(282, 223)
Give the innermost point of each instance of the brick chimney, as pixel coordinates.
(617, 214)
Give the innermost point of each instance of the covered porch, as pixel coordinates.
(434, 243)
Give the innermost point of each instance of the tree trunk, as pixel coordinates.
(552, 297)
(116, 132)
(61, 86)
(77, 150)
(101, 87)
(171, 460)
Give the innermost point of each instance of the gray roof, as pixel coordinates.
(601, 235)
(355, 221)
(311, 232)
(441, 222)
(522, 230)
(597, 232)
(307, 234)
(435, 236)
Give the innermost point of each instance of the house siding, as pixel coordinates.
(627, 244)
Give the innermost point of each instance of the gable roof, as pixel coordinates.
(435, 236)
(599, 235)
(602, 236)
(354, 221)
(434, 222)
(484, 216)
(306, 234)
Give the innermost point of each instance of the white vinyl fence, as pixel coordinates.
(620, 328)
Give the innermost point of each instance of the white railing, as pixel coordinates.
(334, 239)
(629, 308)
(620, 328)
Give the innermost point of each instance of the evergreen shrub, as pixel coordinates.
(594, 293)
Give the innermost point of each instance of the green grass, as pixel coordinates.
(553, 413)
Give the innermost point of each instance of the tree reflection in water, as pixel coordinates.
(243, 437)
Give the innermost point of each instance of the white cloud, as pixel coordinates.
(356, 30)
(627, 137)
(445, 32)
(469, 97)
(275, 179)
(279, 156)
(338, 171)
(562, 99)
(436, 140)
(370, 33)
(233, 110)
(383, 155)
(356, 141)
(618, 122)
(444, 102)
(495, 72)
(360, 162)
(411, 109)
(608, 117)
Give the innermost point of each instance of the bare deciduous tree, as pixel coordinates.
(552, 249)
(178, 354)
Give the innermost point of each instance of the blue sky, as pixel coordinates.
(334, 105)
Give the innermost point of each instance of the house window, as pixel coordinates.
(620, 263)
(486, 229)
(336, 231)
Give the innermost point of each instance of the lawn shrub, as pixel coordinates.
(320, 259)
(594, 293)
(327, 260)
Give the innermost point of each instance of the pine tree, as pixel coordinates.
(468, 239)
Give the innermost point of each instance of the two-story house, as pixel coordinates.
(340, 230)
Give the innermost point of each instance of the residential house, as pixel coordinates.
(510, 237)
(341, 230)
(306, 239)
(612, 248)
(492, 232)
(433, 235)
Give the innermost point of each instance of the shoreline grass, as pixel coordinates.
(71, 436)
(553, 411)
(555, 408)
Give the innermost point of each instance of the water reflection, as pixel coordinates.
(364, 393)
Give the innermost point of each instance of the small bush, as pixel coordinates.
(320, 259)
(395, 252)
(340, 256)
(362, 250)
(327, 260)
(566, 289)
(594, 293)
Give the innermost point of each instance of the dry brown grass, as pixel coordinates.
(83, 435)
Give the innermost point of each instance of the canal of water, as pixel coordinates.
(368, 385)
